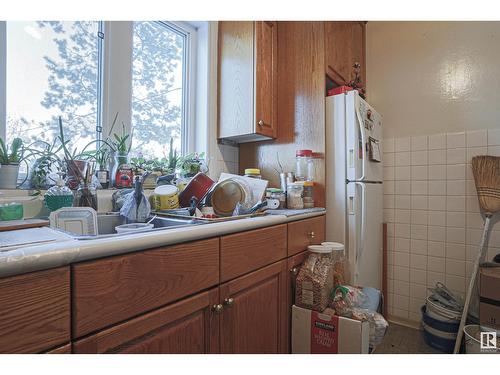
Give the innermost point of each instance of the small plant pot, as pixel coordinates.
(8, 176)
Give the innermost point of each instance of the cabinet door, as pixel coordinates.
(236, 78)
(344, 45)
(293, 265)
(186, 327)
(266, 88)
(35, 311)
(253, 318)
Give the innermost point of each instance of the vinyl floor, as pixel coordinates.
(404, 340)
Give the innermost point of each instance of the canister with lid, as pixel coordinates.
(304, 170)
(253, 173)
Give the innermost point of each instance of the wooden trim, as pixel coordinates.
(119, 335)
(385, 292)
(65, 349)
(35, 311)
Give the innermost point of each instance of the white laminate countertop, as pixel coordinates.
(49, 255)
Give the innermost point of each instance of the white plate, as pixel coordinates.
(75, 220)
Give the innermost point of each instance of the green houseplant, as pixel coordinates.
(9, 162)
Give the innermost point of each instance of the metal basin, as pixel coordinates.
(106, 224)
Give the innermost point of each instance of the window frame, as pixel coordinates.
(3, 80)
(115, 96)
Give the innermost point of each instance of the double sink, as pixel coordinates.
(106, 224)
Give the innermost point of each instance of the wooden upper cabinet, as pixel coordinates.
(266, 88)
(344, 46)
(247, 89)
(253, 318)
(35, 311)
(189, 326)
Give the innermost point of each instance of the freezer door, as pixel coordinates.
(364, 140)
(364, 205)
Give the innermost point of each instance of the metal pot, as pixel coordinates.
(8, 176)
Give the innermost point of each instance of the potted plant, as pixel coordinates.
(74, 165)
(190, 164)
(9, 163)
(43, 165)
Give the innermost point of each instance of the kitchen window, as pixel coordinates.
(52, 69)
(161, 77)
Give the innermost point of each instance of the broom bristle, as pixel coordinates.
(486, 170)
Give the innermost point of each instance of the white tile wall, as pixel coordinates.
(431, 207)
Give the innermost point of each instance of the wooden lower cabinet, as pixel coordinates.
(189, 326)
(293, 265)
(254, 314)
(35, 311)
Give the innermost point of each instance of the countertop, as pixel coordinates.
(50, 255)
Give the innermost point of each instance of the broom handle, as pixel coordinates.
(479, 257)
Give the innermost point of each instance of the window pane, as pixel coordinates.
(157, 90)
(52, 70)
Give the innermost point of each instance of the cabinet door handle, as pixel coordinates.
(294, 271)
(262, 123)
(228, 302)
(217, 308)
(311, 235)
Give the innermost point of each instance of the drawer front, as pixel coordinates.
(306, 232)
(245, 252)
(35, 311)
(108, 291)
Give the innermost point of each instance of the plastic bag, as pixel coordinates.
(314, 282)
(134, 214)
(378, 325)
(345, 298)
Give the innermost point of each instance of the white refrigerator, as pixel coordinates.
(354, 192)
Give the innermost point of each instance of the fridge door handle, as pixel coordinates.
(361, 241)
(363, 141)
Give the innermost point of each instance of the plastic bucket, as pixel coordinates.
(439, 343)
(440, 335)
(439, 324)
(472, 334)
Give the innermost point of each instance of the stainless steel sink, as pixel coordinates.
(106, 224)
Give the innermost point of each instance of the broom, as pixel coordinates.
(486, 170)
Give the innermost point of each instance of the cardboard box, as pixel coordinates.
(317, 333)
(489, 302)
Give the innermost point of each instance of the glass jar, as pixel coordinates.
(294, 198)
(253, 173)
(304, 165)
(274, 193)
(86, 196)
(308, 194)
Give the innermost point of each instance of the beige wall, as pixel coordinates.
(432, 77)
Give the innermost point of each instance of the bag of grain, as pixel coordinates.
(315, 279)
